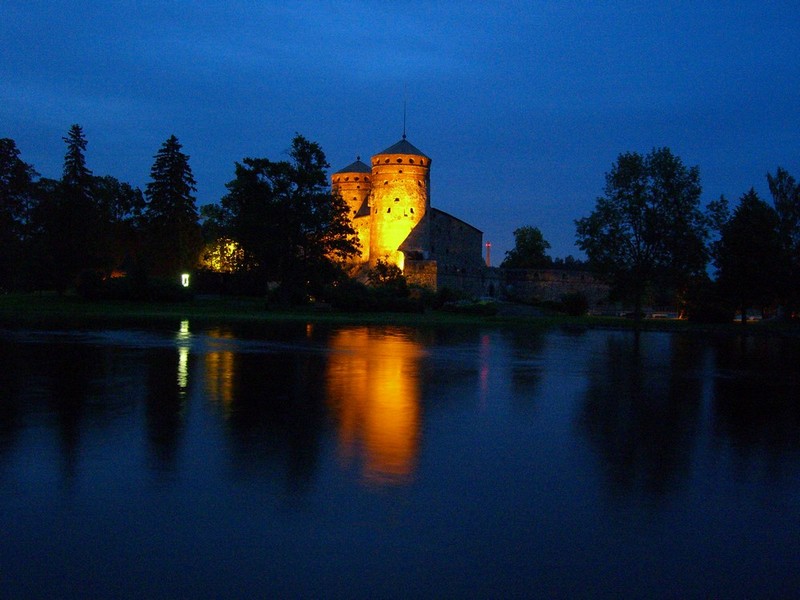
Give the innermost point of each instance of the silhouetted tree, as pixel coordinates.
(215, 222)
(76, 175)
(286, 219)
(748, 253)
(786, 198)
(647, 230)
(40, 263)
(16, 193)
(529, 252)
(71, 224)
(171, 220)
(120, 207)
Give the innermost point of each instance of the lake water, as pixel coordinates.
(379, 462)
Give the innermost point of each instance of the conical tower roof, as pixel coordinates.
(355, 167)
(404, 147)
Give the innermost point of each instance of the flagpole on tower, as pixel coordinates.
(405, 101)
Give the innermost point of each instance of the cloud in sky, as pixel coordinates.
(522, 106)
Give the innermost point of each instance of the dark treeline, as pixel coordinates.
(652, 238)
(649, 236)
(103, 237)
(81, 229)
(279, 231)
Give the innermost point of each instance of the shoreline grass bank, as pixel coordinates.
(51, 310)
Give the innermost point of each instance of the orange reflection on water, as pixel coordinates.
(219, 367)
(373, 386)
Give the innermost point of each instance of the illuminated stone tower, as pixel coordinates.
(399, 201)
(353, 184)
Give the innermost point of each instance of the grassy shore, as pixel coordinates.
(50, 310)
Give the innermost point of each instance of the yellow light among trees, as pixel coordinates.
(223, 256)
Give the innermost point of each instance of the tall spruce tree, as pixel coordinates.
(173, 231)
(747, 255)
(16, 193)
(76, 177)
(786, 198)
(72, 223)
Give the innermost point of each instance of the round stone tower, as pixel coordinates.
(353, 184)
(399, 202)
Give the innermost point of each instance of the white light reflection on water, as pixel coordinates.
(183, 341)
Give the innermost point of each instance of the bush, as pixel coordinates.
(446, 295)
(710, 312)
(89, 284)
(463, 307)
(705, 304)
(575, 304)
(350, 295)
(135, 287)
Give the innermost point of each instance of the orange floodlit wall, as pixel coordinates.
(400, 199)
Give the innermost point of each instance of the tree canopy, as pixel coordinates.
(747, 254)
(786, 198)
(529, 252)
(296, 231)
(647, 231)
(16, 190)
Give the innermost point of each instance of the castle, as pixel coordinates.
(390, 209)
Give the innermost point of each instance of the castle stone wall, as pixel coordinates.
(421, 272)
(550, 285)
(456, 247)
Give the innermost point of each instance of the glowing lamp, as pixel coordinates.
(185, 280)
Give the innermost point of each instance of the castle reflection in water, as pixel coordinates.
(374, 388)
(371, 387)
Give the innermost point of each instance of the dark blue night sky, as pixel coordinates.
(523, 106)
